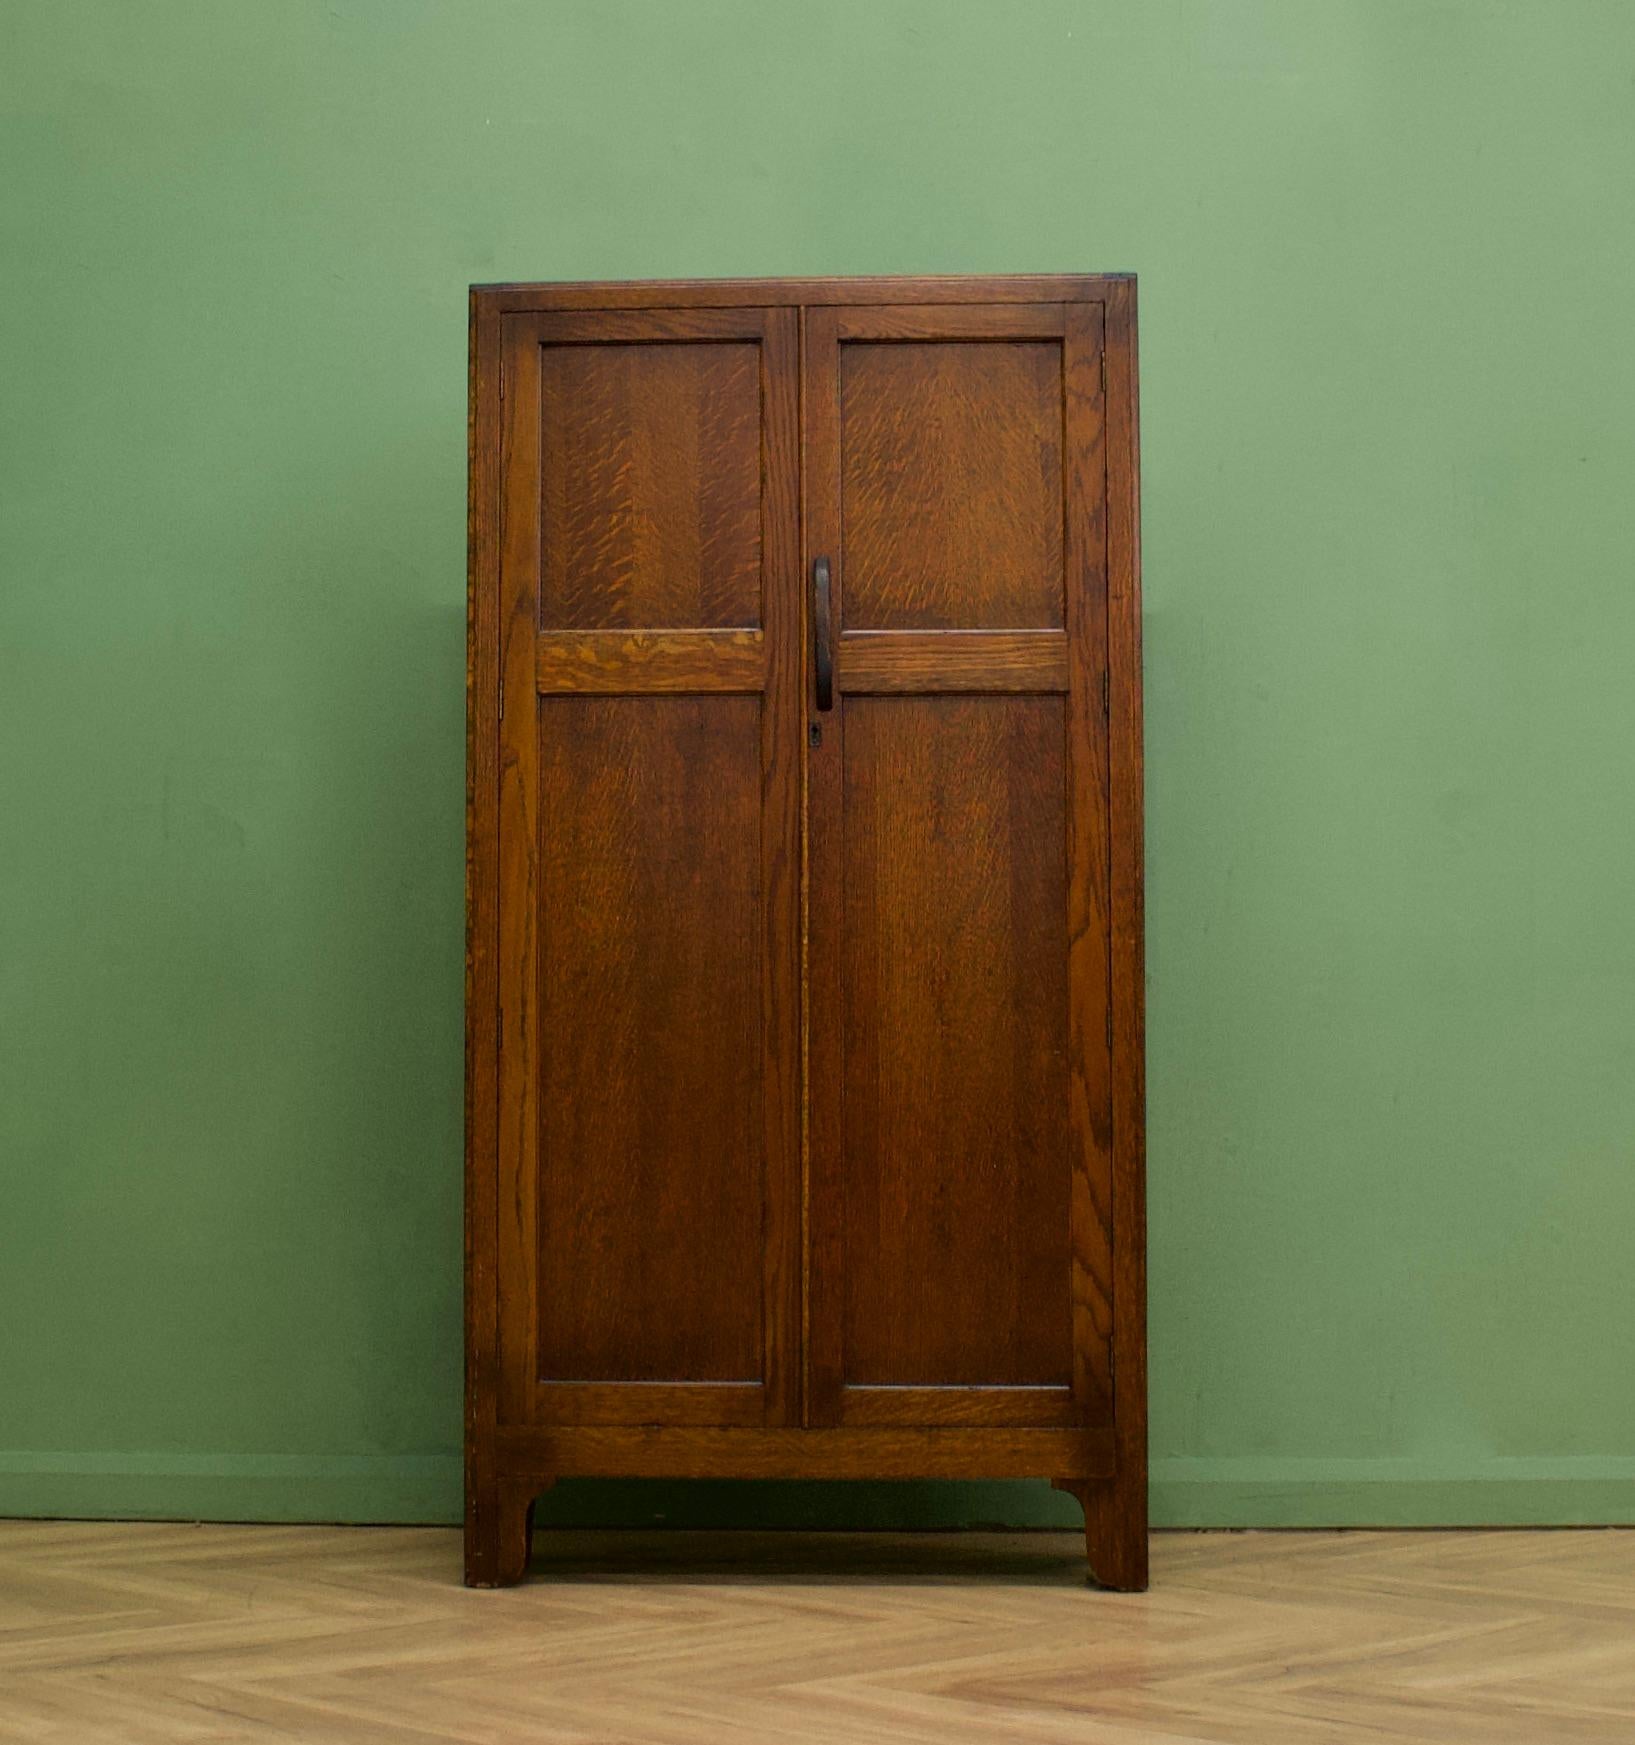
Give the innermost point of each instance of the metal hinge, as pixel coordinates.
(502, 699)
(1106, 695)
(1104, 372)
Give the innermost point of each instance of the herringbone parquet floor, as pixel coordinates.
(153, 1633)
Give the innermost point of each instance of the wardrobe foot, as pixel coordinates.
(1115, 1531)
(500, 1532)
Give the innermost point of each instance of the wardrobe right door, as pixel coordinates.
(959, 1225)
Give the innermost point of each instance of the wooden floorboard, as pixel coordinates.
(153, 1634)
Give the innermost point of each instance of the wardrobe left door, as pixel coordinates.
(648, 1236)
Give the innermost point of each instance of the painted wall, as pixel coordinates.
(1386, 253)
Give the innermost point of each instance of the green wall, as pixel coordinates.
(1387, 251)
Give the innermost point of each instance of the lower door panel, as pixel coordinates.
(945, 1210)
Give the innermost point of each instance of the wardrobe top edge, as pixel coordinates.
(976, 287)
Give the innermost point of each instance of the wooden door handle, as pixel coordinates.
(823, 654)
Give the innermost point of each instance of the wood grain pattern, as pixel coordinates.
(955, 1171)
(648, 848)
(968, 321)
(817, 1451)
(482, 923)
(619, 663)
(824, 842)
(842, 294)
(955, 1404)
(783, 739)
(644, 321)
(958, 882)
(671, 1165)
(516, 849)
(650, 1083)
(951, 485)
(1089, 1051)
(1117, 1510)
(650, 468)
(885, 662)
(169, 1634)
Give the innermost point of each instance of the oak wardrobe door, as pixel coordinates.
(649, 1167)
(958, 957)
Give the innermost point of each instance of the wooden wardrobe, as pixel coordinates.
(804, 964)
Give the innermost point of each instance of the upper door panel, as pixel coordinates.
(650, 472)
(951, 484)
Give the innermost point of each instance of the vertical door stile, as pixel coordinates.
(825, 889)
(519, 867)
(1089, 890)
(783, 1230)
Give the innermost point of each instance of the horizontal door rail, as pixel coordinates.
(617, 662)
(971, 321)
(884, 661)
